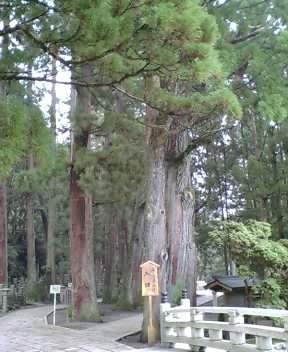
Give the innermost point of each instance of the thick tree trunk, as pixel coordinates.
(30, 233)
(51, 239)
(182, 262)
(155, 234)
(112, 236)
(124, 257)
(81, 254)
(3, 237)
(52, 201)
(155, 230)
(81, 225)
(99, 244)
(131, 282)
(168, 213)
(116, 255)
(276, 206)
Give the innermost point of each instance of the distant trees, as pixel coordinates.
(241, 172)
(256, 255)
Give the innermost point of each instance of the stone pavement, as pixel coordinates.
(25, 331)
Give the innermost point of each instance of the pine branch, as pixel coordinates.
(4, 76)
(201, 206)
(202, 139)
(20, 26)
(240, 69)
(129, 95)
(43, 4)
(49, 49)
(254, 5)
(248, 36)
(158, 108)
(130, 6)
(69, 39)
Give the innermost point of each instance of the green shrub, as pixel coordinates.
(38, 292)
(69, 313)
(177, 294)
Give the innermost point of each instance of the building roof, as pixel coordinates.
(229, 283)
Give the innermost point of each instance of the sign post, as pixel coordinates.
(150, 288)
(54, 290)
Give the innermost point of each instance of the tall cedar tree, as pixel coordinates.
(168, 42)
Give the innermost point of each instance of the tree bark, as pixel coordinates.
(3, 237)
(52, 201)
(31, 252)
(276, 206)
(124, 256)
(182, 262)
(136, 257)
(111, 253)
(81, 229)
(169, 204)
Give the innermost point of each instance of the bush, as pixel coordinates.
(177, 294)
(38, 292)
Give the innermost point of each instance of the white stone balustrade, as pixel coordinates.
(4, 299)
(186, 325)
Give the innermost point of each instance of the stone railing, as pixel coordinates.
(12, 297)
(198, 327)
(4, 299)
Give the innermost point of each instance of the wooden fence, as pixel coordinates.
(198, 327)
(66, 295)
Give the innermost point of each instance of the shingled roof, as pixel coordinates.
(228, 283)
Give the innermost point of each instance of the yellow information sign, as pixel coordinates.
(150, 285)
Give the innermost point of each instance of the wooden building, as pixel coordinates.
(237, 292)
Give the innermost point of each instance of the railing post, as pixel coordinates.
(4, 300)
(236, 338)
(196, 316)
(185, 301)
(164, 306)
(286, 330)
(264, 343)
(215, 335)
(215, 299)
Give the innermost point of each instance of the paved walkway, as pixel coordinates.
(26, 331)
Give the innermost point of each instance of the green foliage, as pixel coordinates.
(69, 312)
(38, 292)
(253, 249)
(123, 304)
(38, 181)
(177, 294)
(39, 136)
(13, 119)
(218, 100)
(271, 293)
(114, 172)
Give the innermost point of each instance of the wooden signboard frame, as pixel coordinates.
(150, 288)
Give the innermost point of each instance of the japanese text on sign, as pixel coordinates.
(150, 286)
